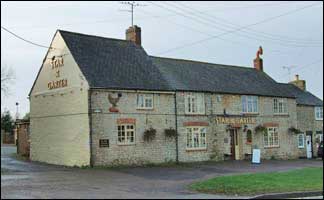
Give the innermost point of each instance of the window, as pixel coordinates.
(319, 113)
(145, 101)
(248, 136)
(319, 136)
(271, 138)
(301, 140)
(126, 134)
(280, 106)
(194, 103)
(196, 137)
(249, 104)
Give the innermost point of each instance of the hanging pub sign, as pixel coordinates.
(235, 120)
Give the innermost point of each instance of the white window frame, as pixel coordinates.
(199, 132)
(270, 136)
(298, 140)
(194, 103)
(250, 104)
(145, 98)
(280, 106)
(318, 113)
(127, 138)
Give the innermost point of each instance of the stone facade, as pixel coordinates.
(162, 116)
(308, 124)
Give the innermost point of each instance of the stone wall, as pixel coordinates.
(104, 126)
(307, 123)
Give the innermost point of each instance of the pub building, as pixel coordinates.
(103, 101)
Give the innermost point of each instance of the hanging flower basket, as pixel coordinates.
(294, 130)
(260, 128)
(149, 134)
(170, 132)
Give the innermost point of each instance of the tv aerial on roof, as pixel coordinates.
(132, 5)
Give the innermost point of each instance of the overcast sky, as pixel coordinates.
(291, 34)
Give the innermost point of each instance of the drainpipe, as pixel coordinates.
(90, 125)
(176, 126)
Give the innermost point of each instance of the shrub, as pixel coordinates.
(149, 134)
(170, 132)
(294, 130)
(260, 128)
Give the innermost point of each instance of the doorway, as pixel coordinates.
(235, 152)
(309, 147)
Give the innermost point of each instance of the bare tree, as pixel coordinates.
(7, 78)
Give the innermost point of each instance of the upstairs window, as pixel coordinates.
(145, 101)
(250, 104)
(319, 113)
(194, 103)
(280, 106)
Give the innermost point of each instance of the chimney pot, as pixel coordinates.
(296, 77)
(133, 34)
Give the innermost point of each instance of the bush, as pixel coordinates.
(294, 130)
(170, 132)
(149, 134)
(260, 128)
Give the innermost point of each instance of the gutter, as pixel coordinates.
(90, 126)
(176, 126)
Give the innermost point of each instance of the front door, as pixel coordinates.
(234, 144)
(309, 146)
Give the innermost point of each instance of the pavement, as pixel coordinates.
(25, 179)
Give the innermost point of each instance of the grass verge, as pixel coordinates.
(307, 179)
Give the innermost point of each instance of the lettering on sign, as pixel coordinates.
(57, 84)
(235, 120)
(56, 63)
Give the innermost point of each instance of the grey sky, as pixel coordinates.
(294, 39)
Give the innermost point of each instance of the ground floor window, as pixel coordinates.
(271, 138)
(301, 141)
(196, 137)
(249, 137)
(126, 134)
(319, 136)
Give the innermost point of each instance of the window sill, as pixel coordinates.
(194, 114)
(273, 147)
(148, 109)
(196, 149)
(301, 147)
(281, 114)
(319, 119)
(250, 114)
(120, 144)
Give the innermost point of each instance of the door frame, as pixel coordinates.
(235, 151)
(310, 133)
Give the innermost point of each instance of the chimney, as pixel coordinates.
(133, 33)
(299, 83)
(258, 62)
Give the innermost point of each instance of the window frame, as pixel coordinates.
(145, 97)
(298, 140)
(200, 140)
(284, 106)
(194, 103)
(318, 110)
(126, 130)
(270, 135)
(250, 101)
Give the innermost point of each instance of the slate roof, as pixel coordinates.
(120, 64)
(199, 76)
(113, 63)
(302, 97)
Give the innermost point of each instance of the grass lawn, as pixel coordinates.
(307, 179)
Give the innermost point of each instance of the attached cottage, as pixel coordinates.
(103, 101)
